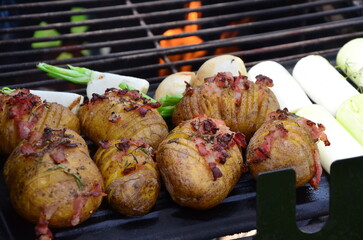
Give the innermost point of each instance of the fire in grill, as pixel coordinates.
(151, 39)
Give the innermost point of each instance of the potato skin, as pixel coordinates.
(287, 141)
(22, 112)
(242, 104)
(132, 179)
(194, 177)
(122, 113)
(51, 177)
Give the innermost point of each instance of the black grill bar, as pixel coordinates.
(161, 37)
(173, 25)
(302, 22)
(110, 58)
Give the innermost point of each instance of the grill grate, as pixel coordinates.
(124, 37)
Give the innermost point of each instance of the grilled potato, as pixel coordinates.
(22, 112)
(287, 141)
(242, 104)
(200, 162)
(52, 180)
(132, 180)
(122, 113)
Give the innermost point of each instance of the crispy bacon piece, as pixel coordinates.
(212, 142)
(95, 191)
(202, 149)
(263, 151)
(41, 229)
(97, 97)
(28, 150)
(105, 144)
(263, 80)
(240, 139)
(78, 203)
(123, 146)
(215, 170)
(188, 89)
(316, 179)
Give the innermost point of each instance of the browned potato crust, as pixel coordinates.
(287, 141)
(131, 177)
(52, 179)
(22, 112)
(122, 113)
(200, 162)
(242, 104)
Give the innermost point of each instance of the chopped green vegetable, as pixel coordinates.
(350, 115)
(73, 74)
(6, 90)
(168, 104)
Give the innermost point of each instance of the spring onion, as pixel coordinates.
(97, 82)
(342, 144)
(286, 89)
(322, 82)
(168, 104)
(350, 115)
(350, 61)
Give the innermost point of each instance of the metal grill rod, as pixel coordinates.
(112, 57)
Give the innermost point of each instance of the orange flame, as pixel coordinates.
(184, 40)
(232, 34)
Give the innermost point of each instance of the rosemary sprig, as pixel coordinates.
(66, 170)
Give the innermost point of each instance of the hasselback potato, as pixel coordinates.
(200, 162)
(122, 113)
(22, 112)
(52, 180)
(241, 103)
(131, 177)
(287, 141)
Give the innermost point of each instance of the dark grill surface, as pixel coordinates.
(124, 37)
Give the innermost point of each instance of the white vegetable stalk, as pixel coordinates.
(350, 115)
(322, 82)
(215, 65)
(287, 91)
(101, 81)
(69, 100)
(342, 144)
(350, 60)
(97, 82)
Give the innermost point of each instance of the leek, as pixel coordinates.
(287, 91)
(350, 115)
(97, 82)
(342, 144)
(322, 82)
(350, 61)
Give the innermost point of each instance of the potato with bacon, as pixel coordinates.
(200, 162)
(241, 103)
(131, 177)
(52, 180)
(122, 113)
(287, 141)
(22, 112)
